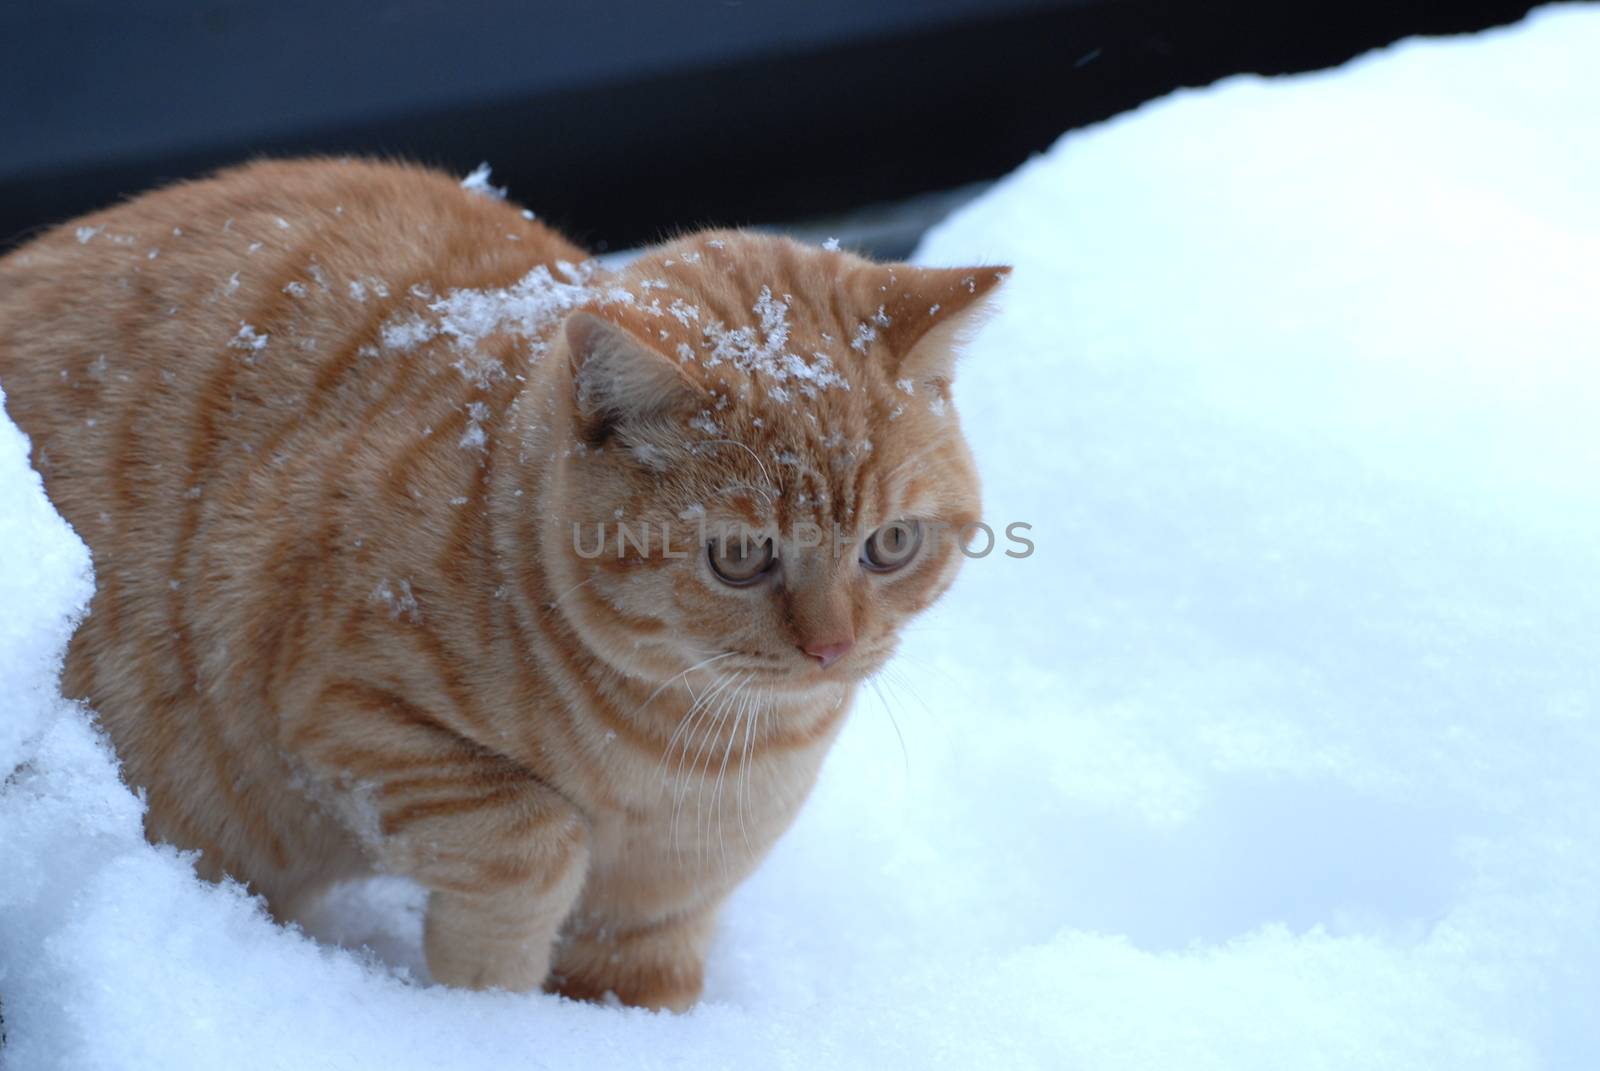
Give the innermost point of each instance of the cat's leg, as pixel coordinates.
(502, 874)
(660, 964)
(502, 855)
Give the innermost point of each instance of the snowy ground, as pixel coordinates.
(1282, 751)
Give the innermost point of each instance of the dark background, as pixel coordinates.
(621, 121)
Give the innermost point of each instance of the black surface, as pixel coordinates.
(622, 120)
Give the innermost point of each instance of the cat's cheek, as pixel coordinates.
(917, 594)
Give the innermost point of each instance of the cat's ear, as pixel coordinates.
(930, 312)
(618, 379)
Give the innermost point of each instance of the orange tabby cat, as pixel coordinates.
(364, 461)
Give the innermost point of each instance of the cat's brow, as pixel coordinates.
(765, 475)
(746, 487)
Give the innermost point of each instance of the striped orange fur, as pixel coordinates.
(329, 430)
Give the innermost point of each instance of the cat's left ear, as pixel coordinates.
(618, 378)
(930, 312)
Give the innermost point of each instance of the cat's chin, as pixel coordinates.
(800, 677)
(795, 682)
(808, 679)
(820, 687)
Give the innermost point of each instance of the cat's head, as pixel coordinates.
(764, 472)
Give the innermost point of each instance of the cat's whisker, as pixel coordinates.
(695, 712)
(892, 678)
(745, 715)
(553, 603)
(735, 734)
(765, 475)
(702, 816)
(883, 697)
(719, 492)
(741, 780)
(722, 770)
(919, 460)
(683, 729)
(742, 788)
(677, 731)
(701, 773)
(678, 676)
(902, 681)
(685, 772)
(902, 686)
(928, 666)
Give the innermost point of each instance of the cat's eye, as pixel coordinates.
(892, 546)
(741, 561)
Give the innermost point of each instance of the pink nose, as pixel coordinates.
(829, 653)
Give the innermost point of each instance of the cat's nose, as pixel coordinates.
(828, 652)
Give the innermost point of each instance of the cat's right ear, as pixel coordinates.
(618, 379)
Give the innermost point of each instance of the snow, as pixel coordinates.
(477, 182)
(468, 315)
(400, 599)
(528, 308)
(864, 336)
(1279, 751)
(764, 352)
(248, 339)
(474, 437)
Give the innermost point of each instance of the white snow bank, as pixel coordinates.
(1282, 751)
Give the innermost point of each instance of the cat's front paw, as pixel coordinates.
(487, 968)
(659, 966)
(467, 961)
(669, 987)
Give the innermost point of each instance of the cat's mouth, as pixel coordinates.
(802, 672)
